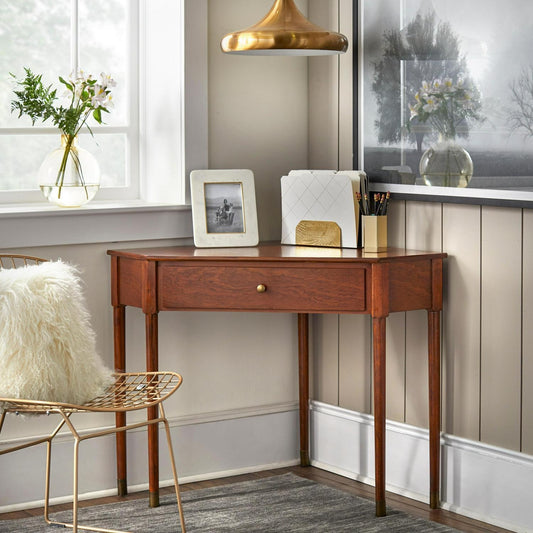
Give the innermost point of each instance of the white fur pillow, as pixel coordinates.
(47, 345)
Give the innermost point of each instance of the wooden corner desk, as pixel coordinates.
(276, 278)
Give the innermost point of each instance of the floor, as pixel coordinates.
(406, 505)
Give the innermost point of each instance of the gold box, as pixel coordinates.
(375, 233)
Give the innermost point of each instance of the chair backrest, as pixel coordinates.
(17, 260)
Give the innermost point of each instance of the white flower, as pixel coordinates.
(437, 85)
(467, 102)
(107, 80)
(101, 98)
(79, 77)
(431, 105)
(448, 85)
(108, 102)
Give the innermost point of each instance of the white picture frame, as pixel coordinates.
(224, 211)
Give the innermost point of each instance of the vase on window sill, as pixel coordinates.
(446, 164)
(69, 176)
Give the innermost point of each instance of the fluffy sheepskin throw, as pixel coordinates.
(47, 345)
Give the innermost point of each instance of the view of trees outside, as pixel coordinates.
(406, 42)
(36, 34)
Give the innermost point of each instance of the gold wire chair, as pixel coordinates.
(129, 392)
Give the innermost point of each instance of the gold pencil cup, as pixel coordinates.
(375, 233)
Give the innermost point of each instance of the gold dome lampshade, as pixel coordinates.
(284, 31)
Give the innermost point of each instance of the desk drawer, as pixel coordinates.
(293, 288)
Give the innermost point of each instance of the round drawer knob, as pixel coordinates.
(261, 288)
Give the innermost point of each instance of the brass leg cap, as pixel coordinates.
(434, 500)
(154, 499)
(304, 458)
(380, 508)
(122, 487)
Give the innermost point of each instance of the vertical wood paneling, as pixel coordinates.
(345, 8)
(461, 229)
(501, 333)
(325, 358)
(355, 363)
(323, 95)
(423, 232)
(396, 326)
(527, 350)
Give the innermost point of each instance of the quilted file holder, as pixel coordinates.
(319, 208)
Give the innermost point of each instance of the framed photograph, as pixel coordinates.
(472, 57)
(223, 208)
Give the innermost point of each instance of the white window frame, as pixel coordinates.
(163, 209)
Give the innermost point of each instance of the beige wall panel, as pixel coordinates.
(396, 326)
(396, 223)
(258, 109)
(325, 358)
(324, 95)
(346, 87)
(461, 230)
(501, 263)
(527, 364)
(396, 367)
(423, 232)
(355, 363)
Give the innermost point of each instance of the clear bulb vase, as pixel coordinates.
(446, 164)
(69, 176)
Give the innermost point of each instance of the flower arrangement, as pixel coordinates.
(84, 96)
(446, 106)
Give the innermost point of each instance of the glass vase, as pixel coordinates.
(446, 164)
(69, 176)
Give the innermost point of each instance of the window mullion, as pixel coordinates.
(74, 37)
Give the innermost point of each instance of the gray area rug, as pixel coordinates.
(278, 504)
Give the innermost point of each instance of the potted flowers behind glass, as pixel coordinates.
(69, 176)
(448, 108)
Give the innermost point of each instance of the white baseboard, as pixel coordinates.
(478, 480)
(206, 447)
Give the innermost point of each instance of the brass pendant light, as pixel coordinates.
(284, 31)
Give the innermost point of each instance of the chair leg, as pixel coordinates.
(75, 526)
(49, 440)
(174, 470)
(75, 491)
(75, 486)
(47, 481)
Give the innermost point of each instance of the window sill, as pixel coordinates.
(111, 221)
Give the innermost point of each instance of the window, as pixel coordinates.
(159, 147)
(52, 37)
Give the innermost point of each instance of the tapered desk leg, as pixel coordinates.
(303, 375)
(119, 332)
(153, 437)
(379, 339)
(434, 407)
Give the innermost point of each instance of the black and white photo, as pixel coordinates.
(224, 207)
(482, 46)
